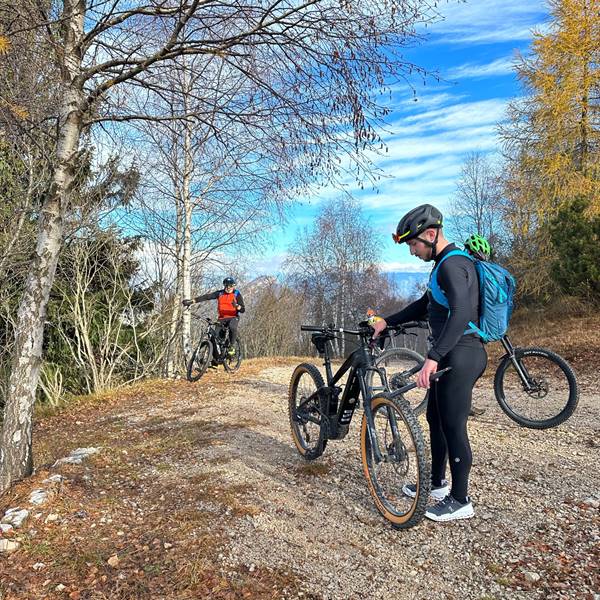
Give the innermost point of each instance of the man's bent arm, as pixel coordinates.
(416, 311)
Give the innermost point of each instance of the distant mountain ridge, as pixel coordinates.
(407, 283)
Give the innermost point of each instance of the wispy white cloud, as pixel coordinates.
(500, 66)
(454, 142)
(489, 21)
(451, 117)
(265, 265)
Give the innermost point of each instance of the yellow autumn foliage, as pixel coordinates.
(552, 140)
(557, 128)
(4, 44)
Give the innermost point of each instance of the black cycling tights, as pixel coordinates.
(447, 412)
(232, 323)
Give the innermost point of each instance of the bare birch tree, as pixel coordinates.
(477, 205)
(311, 66)
(335, 263)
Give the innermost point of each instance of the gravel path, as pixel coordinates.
(536, 532)
(199, 492)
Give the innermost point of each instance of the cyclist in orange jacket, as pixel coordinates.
(230, 304)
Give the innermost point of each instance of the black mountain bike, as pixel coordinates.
(535, 387)
(392, 447)
(213, 350)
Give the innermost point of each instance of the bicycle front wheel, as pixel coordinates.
(307, 421)
(199, 361)
(399, 459)
(539, 391)
(232, 362)
(398, 366)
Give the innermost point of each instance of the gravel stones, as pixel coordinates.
(77, 456)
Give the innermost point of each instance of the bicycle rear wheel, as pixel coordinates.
(199, 361)
(547, 395)
(400, 459)
(399, 364)
(232, 362)
(308, 425)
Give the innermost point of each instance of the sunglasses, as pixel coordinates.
(398, 238)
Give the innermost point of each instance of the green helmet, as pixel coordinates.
(478, 246)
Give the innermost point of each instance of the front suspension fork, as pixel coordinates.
(371, 431)
(519, 367)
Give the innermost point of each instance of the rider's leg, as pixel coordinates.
(453, 395)
(233, 325)
(439, 448)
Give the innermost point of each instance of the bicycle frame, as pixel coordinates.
(356, 365)
(213, 336)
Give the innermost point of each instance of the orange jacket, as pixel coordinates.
(225, 302)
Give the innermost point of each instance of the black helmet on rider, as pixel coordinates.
(415, 222)
(228, 281)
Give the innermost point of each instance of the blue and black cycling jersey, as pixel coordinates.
(458, 280)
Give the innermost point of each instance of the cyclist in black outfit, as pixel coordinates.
(450, 397)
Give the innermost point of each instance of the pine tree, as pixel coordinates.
(553, 137)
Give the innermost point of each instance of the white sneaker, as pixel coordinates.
(437, 493)
(450, 509)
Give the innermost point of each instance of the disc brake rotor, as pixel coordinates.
(539, 388)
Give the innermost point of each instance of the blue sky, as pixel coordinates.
(473, 51)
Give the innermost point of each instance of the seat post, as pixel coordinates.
(327, 363)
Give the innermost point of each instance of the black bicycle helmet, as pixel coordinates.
(416, 221)
(228, 281)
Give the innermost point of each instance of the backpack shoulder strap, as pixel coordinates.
(436, 290)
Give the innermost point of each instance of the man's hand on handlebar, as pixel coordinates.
(427, 370)
(187, 302)
(378, 327)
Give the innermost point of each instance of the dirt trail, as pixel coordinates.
(199, 493)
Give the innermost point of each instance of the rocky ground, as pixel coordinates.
(197, 491)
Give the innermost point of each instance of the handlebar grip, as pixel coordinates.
(414, 325)
(311, 328)
(438, 374)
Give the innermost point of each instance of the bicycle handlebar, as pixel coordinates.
(412, 386)
(363, 330)
(409, 325)
(332, 329)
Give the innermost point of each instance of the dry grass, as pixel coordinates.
(140, 499)
(573, 336)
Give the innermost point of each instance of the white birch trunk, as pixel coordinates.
(176, 311)
(187, 239)
(16, 459)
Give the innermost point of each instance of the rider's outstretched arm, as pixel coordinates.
(209, 296)
(416, 311)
